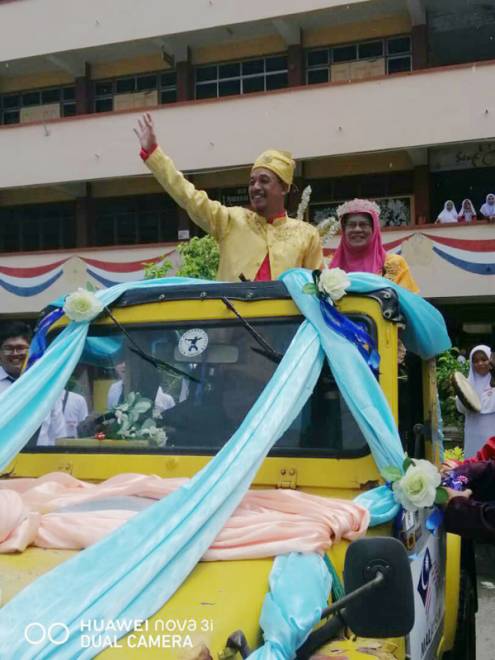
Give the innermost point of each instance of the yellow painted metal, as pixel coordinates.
(193, 310)
(312, 473)
(452, 584)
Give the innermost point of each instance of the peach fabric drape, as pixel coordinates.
(59, 511)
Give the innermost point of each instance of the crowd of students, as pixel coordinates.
(467, 211)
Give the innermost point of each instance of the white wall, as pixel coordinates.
(425, 108)
(49, 26)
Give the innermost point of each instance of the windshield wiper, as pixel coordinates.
(266, 349)
(156, 362)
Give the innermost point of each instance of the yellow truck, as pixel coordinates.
(238, 332)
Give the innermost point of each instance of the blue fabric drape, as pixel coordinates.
(359, 388)
(299, 589)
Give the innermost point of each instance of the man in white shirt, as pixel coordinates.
(163, 401)
(14, 346)
(75, 410)
(64, 417)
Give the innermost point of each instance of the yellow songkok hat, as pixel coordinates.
(279, 162)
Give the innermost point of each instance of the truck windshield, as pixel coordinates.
(136, 403)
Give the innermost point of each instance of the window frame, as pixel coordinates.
(266, 74)
(15, 109)
(161, 88)
(310, 68)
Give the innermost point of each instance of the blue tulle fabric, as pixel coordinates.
(134, 571)
(299, 588)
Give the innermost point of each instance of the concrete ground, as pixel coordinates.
(485, 619)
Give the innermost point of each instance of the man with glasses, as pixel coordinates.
(14, 345)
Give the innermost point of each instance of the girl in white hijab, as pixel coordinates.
(449, 213)
(478, 427)
(467, 212)
(488, 208)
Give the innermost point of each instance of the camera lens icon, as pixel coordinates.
(36, 633)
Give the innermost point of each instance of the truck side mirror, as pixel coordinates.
(387, 609)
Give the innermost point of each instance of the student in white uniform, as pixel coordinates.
(14, 346)
(163, 401)
(478, 427)
(70, 409)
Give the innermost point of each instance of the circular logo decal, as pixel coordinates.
(193, 342)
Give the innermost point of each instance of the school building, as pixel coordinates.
(387, 99)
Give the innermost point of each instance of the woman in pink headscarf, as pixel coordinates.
(361, 249)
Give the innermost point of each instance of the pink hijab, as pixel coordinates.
(368, 259)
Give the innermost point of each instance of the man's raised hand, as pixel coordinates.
(146, 132)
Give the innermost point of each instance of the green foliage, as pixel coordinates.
(200, 259)
(455, 454)
(447, 364)
(154, 270)
(442, 496)
(310, 288)
(391, 473)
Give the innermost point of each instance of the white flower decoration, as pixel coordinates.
(157, 436)
(303, 204)
(82, 305)
(418, 487)
(333, 282)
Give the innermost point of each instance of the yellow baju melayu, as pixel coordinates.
(245, 238)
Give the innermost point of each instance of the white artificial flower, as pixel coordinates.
(418, 487)
(120, 416)
(328, 228)
(333, 282)
(82, 305)
(303, 204)
(156, 435)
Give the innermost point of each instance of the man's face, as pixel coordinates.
(266, 191)
(13, 352)
(358, 230)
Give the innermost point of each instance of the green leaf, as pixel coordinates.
(407, 463)
(391, 473)
(442, 497)
(141, 406)
(310, 288)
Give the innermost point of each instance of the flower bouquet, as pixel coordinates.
(134, 419)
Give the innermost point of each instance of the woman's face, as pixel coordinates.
(481, 364)
(358, 230)
(450, 206)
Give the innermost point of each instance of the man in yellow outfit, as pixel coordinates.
(257, 244)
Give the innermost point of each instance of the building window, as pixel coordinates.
(135, 219)
(37, 227)
(360, 60)
(234, 78)
(159, 87)
(393, 191)
(32, 105)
